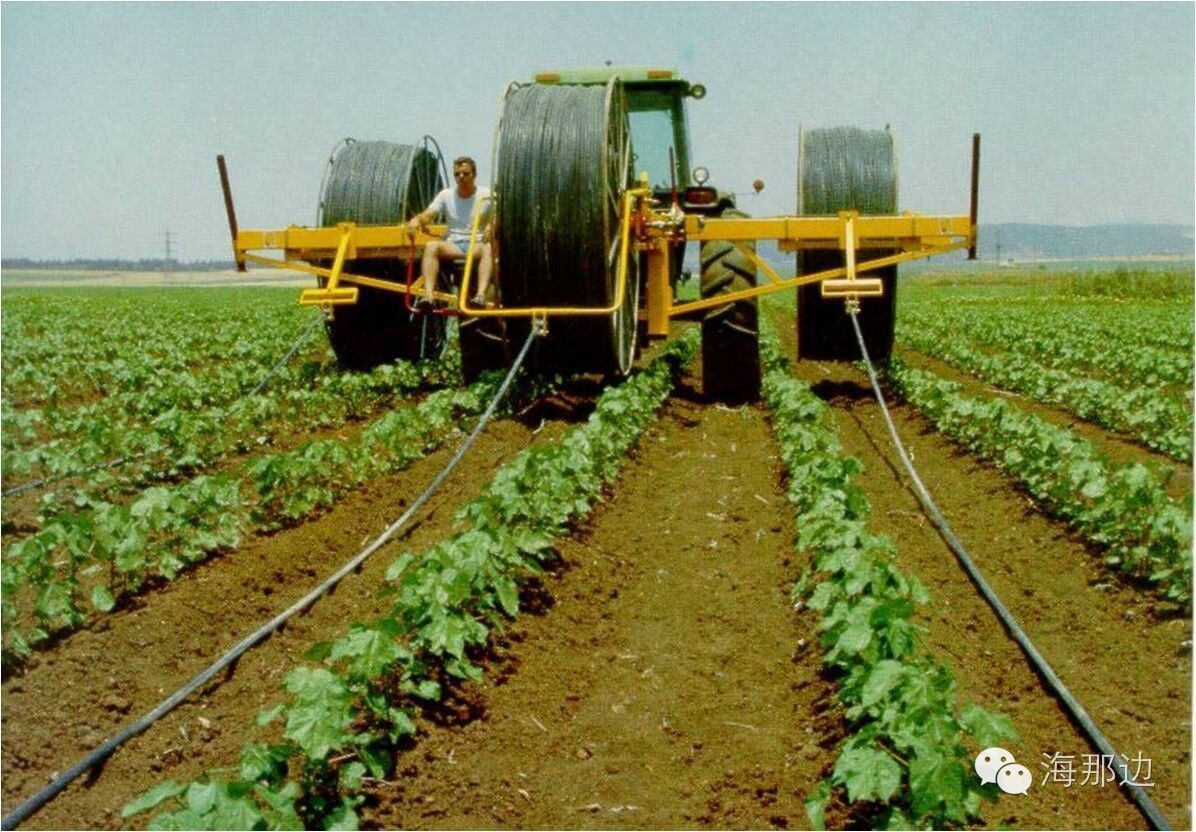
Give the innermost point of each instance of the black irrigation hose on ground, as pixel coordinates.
(1074, 708)
(124, 460)
(101, 753)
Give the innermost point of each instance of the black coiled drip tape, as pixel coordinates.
(563, 165)
(379, 183)
(848, 168)
(845, 169)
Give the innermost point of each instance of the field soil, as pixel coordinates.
(86, 688)
(660, 678)
(1125, 656)
(664, 687)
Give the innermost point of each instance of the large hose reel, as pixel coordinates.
(380, 183)
(845, 169)
(563, 163)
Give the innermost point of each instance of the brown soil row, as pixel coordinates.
(88, 687)
(1130, 668)
(664, 687)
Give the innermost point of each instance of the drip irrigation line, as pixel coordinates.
(842, 168)
(846, 166)
(1081, 717)
(124, 460)
(562, 166)
(552, 146)
(102, 752)
(278, 365)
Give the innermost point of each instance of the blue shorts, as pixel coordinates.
(460, 242)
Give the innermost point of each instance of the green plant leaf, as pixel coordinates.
(162, 791)
(816, 804)
(867, 773)
(987, 727)
(102, 599)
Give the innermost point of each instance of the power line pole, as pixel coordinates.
(167, 264)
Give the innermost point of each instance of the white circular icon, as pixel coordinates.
(1014, 778)
(989, 762)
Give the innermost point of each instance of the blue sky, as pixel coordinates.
(111, 115)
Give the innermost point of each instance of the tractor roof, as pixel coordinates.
(602, 74)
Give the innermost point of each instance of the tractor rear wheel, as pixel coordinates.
(845, 169)
(730, 333)
(380, 183)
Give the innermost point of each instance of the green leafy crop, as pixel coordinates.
(905, 763)
(347, 717)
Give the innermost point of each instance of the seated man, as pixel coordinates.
(458, 204)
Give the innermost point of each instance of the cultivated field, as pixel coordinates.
(628, 607)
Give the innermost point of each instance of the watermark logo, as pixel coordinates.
(996, 765)
(1097, 770)
(1014, 778)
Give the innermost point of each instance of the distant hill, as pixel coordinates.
(1025, 242)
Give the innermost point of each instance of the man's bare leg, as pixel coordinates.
(485, 266)
(431, 268)
(433, 254)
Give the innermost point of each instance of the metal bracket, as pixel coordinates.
(864, 287)
(851, 288)
(331, 294)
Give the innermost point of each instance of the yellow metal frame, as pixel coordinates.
(541, 312)
(346, 241)
(912, 236)
(909, 236)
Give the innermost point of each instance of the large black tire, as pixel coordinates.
(379, 183)
(379, 329)
(483, 345)
(730, 333)
(845, 169)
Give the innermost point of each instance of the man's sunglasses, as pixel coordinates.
(459, 174)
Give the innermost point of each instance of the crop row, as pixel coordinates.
(1123, 509)
(113, 548)
(904, 764)
(346, 717)
(182, 440)
(63, 346)
(1152, 418)
(1065, 344)
(212, 386)
(209, 383)
(1144, 323)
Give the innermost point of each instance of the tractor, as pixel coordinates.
(595, 203)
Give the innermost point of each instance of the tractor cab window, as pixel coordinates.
(651, 138)
(657, 124)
